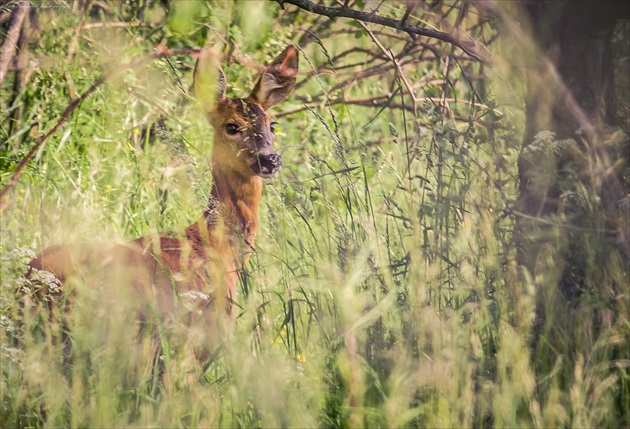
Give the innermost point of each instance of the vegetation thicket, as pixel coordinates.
(388, 286)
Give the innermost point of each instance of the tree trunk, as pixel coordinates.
(570, 170)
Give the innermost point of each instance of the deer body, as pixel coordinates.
(203, 260)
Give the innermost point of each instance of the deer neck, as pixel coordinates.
(233, 204)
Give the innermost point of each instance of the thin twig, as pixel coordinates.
(394, 60)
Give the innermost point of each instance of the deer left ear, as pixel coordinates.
(209, 82)
(278, 79)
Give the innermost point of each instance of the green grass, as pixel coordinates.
(383, 292)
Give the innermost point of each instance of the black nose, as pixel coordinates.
(267, 165)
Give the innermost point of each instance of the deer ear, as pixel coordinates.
(278, 79)
(209, 82)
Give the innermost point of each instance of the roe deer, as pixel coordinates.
(203, 261)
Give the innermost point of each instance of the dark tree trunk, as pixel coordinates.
(572, 229)
(571, 175)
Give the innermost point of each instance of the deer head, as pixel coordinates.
(244, 132)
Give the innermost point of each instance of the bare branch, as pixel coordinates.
(347, 12)
(382, 101)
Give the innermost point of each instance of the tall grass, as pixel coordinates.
(383, 291)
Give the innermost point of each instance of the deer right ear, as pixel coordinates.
(209, 81)
(277, 80)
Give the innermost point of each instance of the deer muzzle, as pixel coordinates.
(267, 165)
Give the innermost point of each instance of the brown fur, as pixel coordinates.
(209, 254)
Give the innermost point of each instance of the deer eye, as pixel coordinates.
(232, 129)
(272, 127)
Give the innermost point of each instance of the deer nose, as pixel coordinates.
(267, 165)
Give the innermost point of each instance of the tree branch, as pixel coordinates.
(381, 101)
(347, 12)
